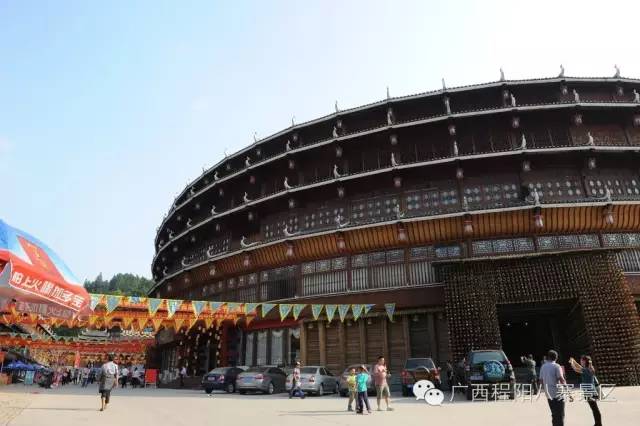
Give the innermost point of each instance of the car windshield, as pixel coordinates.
(480, 357)
(256, 370)
(419, 362)
(308, 370)
(218, 371)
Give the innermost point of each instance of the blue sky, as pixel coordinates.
(107, 109)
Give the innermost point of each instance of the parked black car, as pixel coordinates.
(223, 378)
(491, 368)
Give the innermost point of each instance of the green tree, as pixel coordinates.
(122, 284)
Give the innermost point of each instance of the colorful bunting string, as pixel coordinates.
(330, 311)
(198, 307)
(112, 302)
(357, 311)
(215, 306)
(390, 308)
(266, 308)
(154, 304)
(95, 299)
(250, 308)
(284, 309)
(172, 307)
(297, 309)
(343, 310)
(316, 310)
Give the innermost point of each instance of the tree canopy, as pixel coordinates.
(122, 284)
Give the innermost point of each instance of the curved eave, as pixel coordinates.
(493, 111)
(560, 218)
(346, 178)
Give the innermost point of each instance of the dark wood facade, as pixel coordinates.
(366, 205)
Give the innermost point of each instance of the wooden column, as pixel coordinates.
(342, 345)
(405, 334)
(322, 337)
(433, 342)
(363, 340)
(303, 343)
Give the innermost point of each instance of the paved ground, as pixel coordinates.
(73, 406)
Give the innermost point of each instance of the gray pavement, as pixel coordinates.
(74, 406)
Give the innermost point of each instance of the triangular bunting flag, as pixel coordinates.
(137, 300)
(390, 308)
(233, 307)
(208, 321)
(198, 307)
(142, 322)
(357, 311)
(266, 308)
(95, 299)
(177, 323)
(172, 307)
(107, 321)
(297, 309)
(112, 302)
(191, 323)
(154, 305)
(215, 306)
(248, 319)
(284, 309)
(157, 323)
(368, 307)
(330, 310)
(316, 310)
(343, 310)
(126, 322)
(250, 308)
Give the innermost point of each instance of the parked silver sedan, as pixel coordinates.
(262, 379)
(315, 379)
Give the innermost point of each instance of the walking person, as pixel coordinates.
(530, 364)
(588, 384)
(352, 388)
(551, 375)
(183, 374)
(361, 383)
(124, 376)
(108, 381)
(85, 376)
(380, 375)
(295, 382)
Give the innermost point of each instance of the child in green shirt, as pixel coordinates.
(353, 390)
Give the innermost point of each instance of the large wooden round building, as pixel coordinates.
(504, 214)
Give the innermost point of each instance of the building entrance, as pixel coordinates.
(534, 328)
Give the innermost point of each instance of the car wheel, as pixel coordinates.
(343, 394)
(208, 390)
(270, 389)
(321, 390)
(230, 388)
(242, 392)
(469, 394)
(336, 388)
